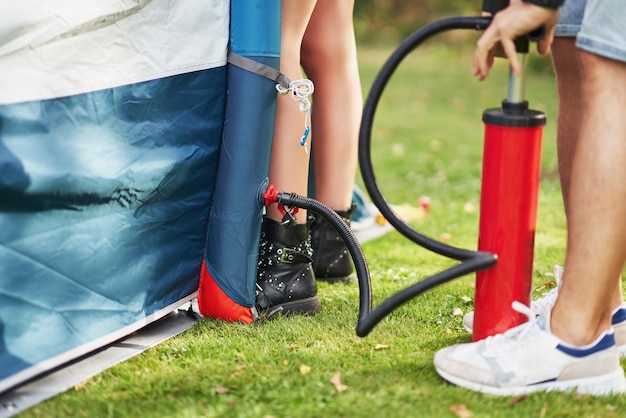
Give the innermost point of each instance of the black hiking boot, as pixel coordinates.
(285, 279)
(331, 259)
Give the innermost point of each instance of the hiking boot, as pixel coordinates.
(618, 319)
(331, 259)
(285, 279)
(529, 358)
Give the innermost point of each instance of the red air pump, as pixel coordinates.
(508, 206)
(508, 214)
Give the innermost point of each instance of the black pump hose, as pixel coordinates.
(360, 264)
(471, 261)
(367, 318)
(369, 110)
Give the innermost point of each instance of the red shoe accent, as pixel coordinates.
(213, 302)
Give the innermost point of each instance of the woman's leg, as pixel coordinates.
(289, 163)
(329, 59)
(285, 279)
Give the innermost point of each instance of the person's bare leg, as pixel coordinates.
(567, 65)
(568, 70)
(329, 59)
(596, 206)
(289, 163)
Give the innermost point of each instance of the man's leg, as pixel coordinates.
(596, 206)
(568, 68)
(572, 345)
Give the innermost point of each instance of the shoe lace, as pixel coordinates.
(548, 298)
(510, 338)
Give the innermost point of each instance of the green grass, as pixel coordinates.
(427, 141)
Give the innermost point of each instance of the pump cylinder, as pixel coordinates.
(508, 214)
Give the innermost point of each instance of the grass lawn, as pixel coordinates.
(427, 142)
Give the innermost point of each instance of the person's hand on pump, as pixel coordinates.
(518, 19)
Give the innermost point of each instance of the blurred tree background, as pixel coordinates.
(390, 21)
(387, 22)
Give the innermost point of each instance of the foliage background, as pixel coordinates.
(393, 20)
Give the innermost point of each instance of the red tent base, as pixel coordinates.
(214, 303)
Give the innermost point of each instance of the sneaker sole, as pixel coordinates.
(607, 384)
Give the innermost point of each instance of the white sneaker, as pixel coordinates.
(528, 358)
(547, 301)
(537, 306)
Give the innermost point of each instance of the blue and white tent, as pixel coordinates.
(131, 160)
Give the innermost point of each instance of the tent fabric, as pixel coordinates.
(235, 222)
(63, 47)
(111, 124)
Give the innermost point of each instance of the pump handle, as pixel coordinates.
(494, 6)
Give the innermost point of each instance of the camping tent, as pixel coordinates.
(131, 159)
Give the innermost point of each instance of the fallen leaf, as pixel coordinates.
(468, 207)
(381, 347)
(80, 385)
(466, 298)
(543, 411)
(445, 237)
(408, 212)
(397, 149)
(284, 362)
(220, 390)
(579, 395)
(239, 368)
(518, 400)
(457, 312)
(293, 347)
(304, 369)
(547, 285)
(336, 381)
(448, 331)
(461, 411)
